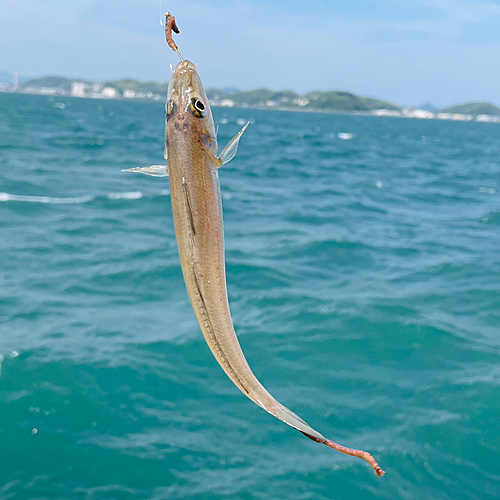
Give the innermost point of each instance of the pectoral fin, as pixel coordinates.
(154, 170)
(228, 153)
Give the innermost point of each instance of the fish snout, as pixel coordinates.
(184, 66)
(185, 80)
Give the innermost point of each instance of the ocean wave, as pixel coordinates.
(128, 195)
(491, 218)
(345, 136)
(45, 199)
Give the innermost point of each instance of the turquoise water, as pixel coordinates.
(363, 275)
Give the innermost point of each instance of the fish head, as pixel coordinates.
(187, 110)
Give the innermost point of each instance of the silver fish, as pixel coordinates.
(193, 165)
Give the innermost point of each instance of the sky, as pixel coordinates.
(405, 51)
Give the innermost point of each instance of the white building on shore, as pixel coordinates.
(418, 113)
(386, 112)
(457, 117)
(488, 118)
(109, 92)
(78, 89)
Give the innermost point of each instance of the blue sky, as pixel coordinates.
(405, 51)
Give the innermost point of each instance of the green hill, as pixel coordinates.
(327, 101)
(260, 97)
(138, 86)
(345, 101)
(372, 104)
(120, 85)
(218, 94)
(52, 81)
(474, 108)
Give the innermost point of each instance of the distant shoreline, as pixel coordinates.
(331, 101)
(412, 113)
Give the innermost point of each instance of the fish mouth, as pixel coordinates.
(185, 65)
(185, 78)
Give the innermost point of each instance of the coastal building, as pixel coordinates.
(455, 117)
(228, 103)
(78, 89)
(109, 92)
(422, 113)
(386, 112)
(128, 94)
(96, 91)
(44, 90)
(417, 113)
(301, 101)
(488, 118)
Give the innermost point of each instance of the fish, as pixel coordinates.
(191, 149)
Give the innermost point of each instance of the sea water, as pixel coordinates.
(363, 269)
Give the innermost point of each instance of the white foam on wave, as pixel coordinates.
(130, 195)
(12, 354)
(45, 199)
(345, 136)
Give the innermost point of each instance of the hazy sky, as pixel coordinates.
(405, 51)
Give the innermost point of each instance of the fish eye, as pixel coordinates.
(198, 108)
(170, 109)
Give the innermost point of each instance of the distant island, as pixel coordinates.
(474, 108)
(331, 101)
(322, 101)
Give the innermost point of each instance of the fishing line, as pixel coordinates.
(161, 13)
